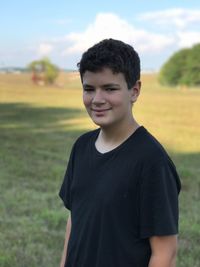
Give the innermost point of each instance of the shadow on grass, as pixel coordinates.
(33, 138)
(17, 115)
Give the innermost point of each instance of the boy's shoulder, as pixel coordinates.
(86, 137)
(149, 147)
(155, 158)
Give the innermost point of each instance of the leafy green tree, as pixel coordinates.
(173, 70)
(43, 71)
(183, 68)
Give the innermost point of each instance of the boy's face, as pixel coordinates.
(107, 98)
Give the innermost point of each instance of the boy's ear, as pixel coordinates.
(135, 91)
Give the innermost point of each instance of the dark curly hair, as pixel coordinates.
(113, 54)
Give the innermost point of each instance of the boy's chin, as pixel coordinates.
(102, 125)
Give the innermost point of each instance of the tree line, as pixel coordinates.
(182, 68)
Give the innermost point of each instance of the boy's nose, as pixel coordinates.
(98, 97)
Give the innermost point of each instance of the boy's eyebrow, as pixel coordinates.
(103, 86)
(110, 85)
(87, 85)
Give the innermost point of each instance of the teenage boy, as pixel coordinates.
(120, 186)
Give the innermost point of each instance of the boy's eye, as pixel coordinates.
(111, 89)
(88, 89)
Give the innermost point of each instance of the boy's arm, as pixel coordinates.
(68, 230)
(164, 249)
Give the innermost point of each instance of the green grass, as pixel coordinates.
(38, 126)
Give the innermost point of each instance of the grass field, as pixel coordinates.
(38, 126)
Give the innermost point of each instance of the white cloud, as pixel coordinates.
(178, 17)
(188, 39)
(154, 46)
(108, 25)
(180, 22)
(44, 49)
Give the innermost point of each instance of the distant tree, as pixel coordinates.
(43, 71)
(183, 68)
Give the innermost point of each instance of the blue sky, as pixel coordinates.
(62, 30)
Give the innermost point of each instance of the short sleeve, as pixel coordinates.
(65, 190)
(158, 211)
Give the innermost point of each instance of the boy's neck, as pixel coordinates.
(110, 138)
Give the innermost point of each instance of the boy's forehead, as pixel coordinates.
(105, 74)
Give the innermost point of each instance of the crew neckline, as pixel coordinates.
(119, 146)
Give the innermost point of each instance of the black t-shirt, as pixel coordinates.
(118, 200)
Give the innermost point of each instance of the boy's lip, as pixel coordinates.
(100, 110)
